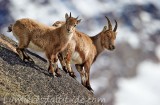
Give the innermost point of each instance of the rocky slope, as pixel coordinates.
(26, 83)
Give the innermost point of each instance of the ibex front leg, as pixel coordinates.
(63, 62)
(82, 74)
(53, 70)
(68, 64)
(87, 66)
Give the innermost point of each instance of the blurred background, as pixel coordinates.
(129, 75)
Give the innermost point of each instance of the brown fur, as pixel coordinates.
(40, 37)
(88, 49)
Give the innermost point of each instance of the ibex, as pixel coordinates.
(82, 50)
(40, 37)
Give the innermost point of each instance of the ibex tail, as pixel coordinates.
(10, 28)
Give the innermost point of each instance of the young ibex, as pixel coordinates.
(83, 50)
(43, 38)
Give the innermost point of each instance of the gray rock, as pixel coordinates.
(25, 83)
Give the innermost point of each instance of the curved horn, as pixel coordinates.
(109, 23)
(70, 14)
(115, 28)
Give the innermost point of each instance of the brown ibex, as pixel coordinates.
(40, 37)
(82, 50)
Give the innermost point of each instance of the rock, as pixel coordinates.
(24, 83)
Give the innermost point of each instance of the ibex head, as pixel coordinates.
(71, 22)
(108, 36)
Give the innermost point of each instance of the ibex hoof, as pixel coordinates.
(72, 75)
(57, 72)
(92, 92)
(26, 59)
(90, 89)
(65, 69)
(30, 60)
(58, 75)
(50, 73)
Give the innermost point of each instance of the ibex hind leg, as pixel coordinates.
(20, 49)
(87, 75)
(28, 58)
(20, 53)
(88, 86)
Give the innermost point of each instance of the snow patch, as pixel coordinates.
(144, 89)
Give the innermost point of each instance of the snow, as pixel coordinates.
(144, 89)
(42, 13)
(125, 34)
(100, 83)
(158, 52)
(145, 16)
(139, 2)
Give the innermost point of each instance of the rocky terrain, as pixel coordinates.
(25, 83)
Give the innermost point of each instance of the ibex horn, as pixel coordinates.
(109, 23)
(115, 28)
(77, 17)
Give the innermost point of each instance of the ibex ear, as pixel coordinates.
(78, 21)
(55, 24)
(104, 28)
(66, 16)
